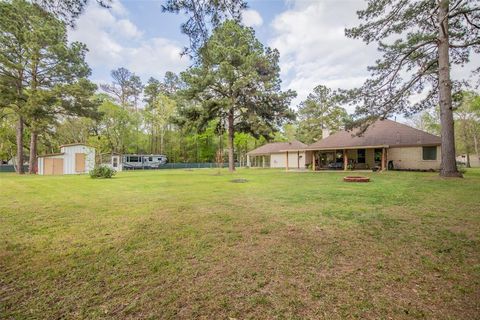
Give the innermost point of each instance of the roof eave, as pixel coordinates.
(75, 144)
(51, 155)
(346, 148)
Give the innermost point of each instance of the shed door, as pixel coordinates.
(79, 162)
(52, 166)
(48, 166)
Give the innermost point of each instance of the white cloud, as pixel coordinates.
(115, 41)
(155, 56)
(314, 50)
(251, 18)
(118, 8)
(127, 29)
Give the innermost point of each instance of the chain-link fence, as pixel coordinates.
(10, 168)
(181, 165)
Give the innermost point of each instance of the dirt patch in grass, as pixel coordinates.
(239, 180)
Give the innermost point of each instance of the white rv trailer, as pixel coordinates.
(143, 161)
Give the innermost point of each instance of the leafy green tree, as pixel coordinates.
(152, 90)
(419, 41)
(427, 120)
(126, 88)
(289, 132)
(75, 129)
(7, 135)
(208, 142)
(118, 125)
(45, 107)
(467, 116)
(171, 84)
(161, 104)
(157, 115)
(237, 81)
(35, 61)
(320, 111)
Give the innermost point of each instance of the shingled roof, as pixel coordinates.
(384, 133)
(277, 147)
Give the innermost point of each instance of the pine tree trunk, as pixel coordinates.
(32, 163)
(162, 134)
(152, 137)
(466, 141)
(231, 132)
(475, 144)
(19, 134)
(449, 164)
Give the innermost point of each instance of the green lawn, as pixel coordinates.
(179, 244)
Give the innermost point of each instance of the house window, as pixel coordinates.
(429, 153)
(378, 155)
(361, 155)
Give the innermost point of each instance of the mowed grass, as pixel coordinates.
(179, 244)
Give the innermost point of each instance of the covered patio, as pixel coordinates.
(258, 161)
(278, 155)
(352, 158)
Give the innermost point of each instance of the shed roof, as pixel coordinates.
(74, 144)
(385, 133)
(277, 147)
(50, 155)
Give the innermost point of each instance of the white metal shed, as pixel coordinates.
(75, 158)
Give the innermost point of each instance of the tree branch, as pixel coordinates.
(470, 22)
(463, 12)
(465, 45)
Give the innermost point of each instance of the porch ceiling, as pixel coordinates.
(340, 148)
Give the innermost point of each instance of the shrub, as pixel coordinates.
(102, 172)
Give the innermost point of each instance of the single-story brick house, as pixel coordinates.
(385, 144)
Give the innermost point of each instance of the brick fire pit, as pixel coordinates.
(356, 179)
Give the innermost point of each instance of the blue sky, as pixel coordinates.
(139, 36)
(309, 34)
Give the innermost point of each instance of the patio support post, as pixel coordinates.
(286, 161)
(345, 159)
(386, 159)
(383, 159)
(263, 161)
(313, 160)
(298, 159)
(248, 160)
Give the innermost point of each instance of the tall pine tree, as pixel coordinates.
(321, 110)
(35, 61)
(237, 80)
(419, 41)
